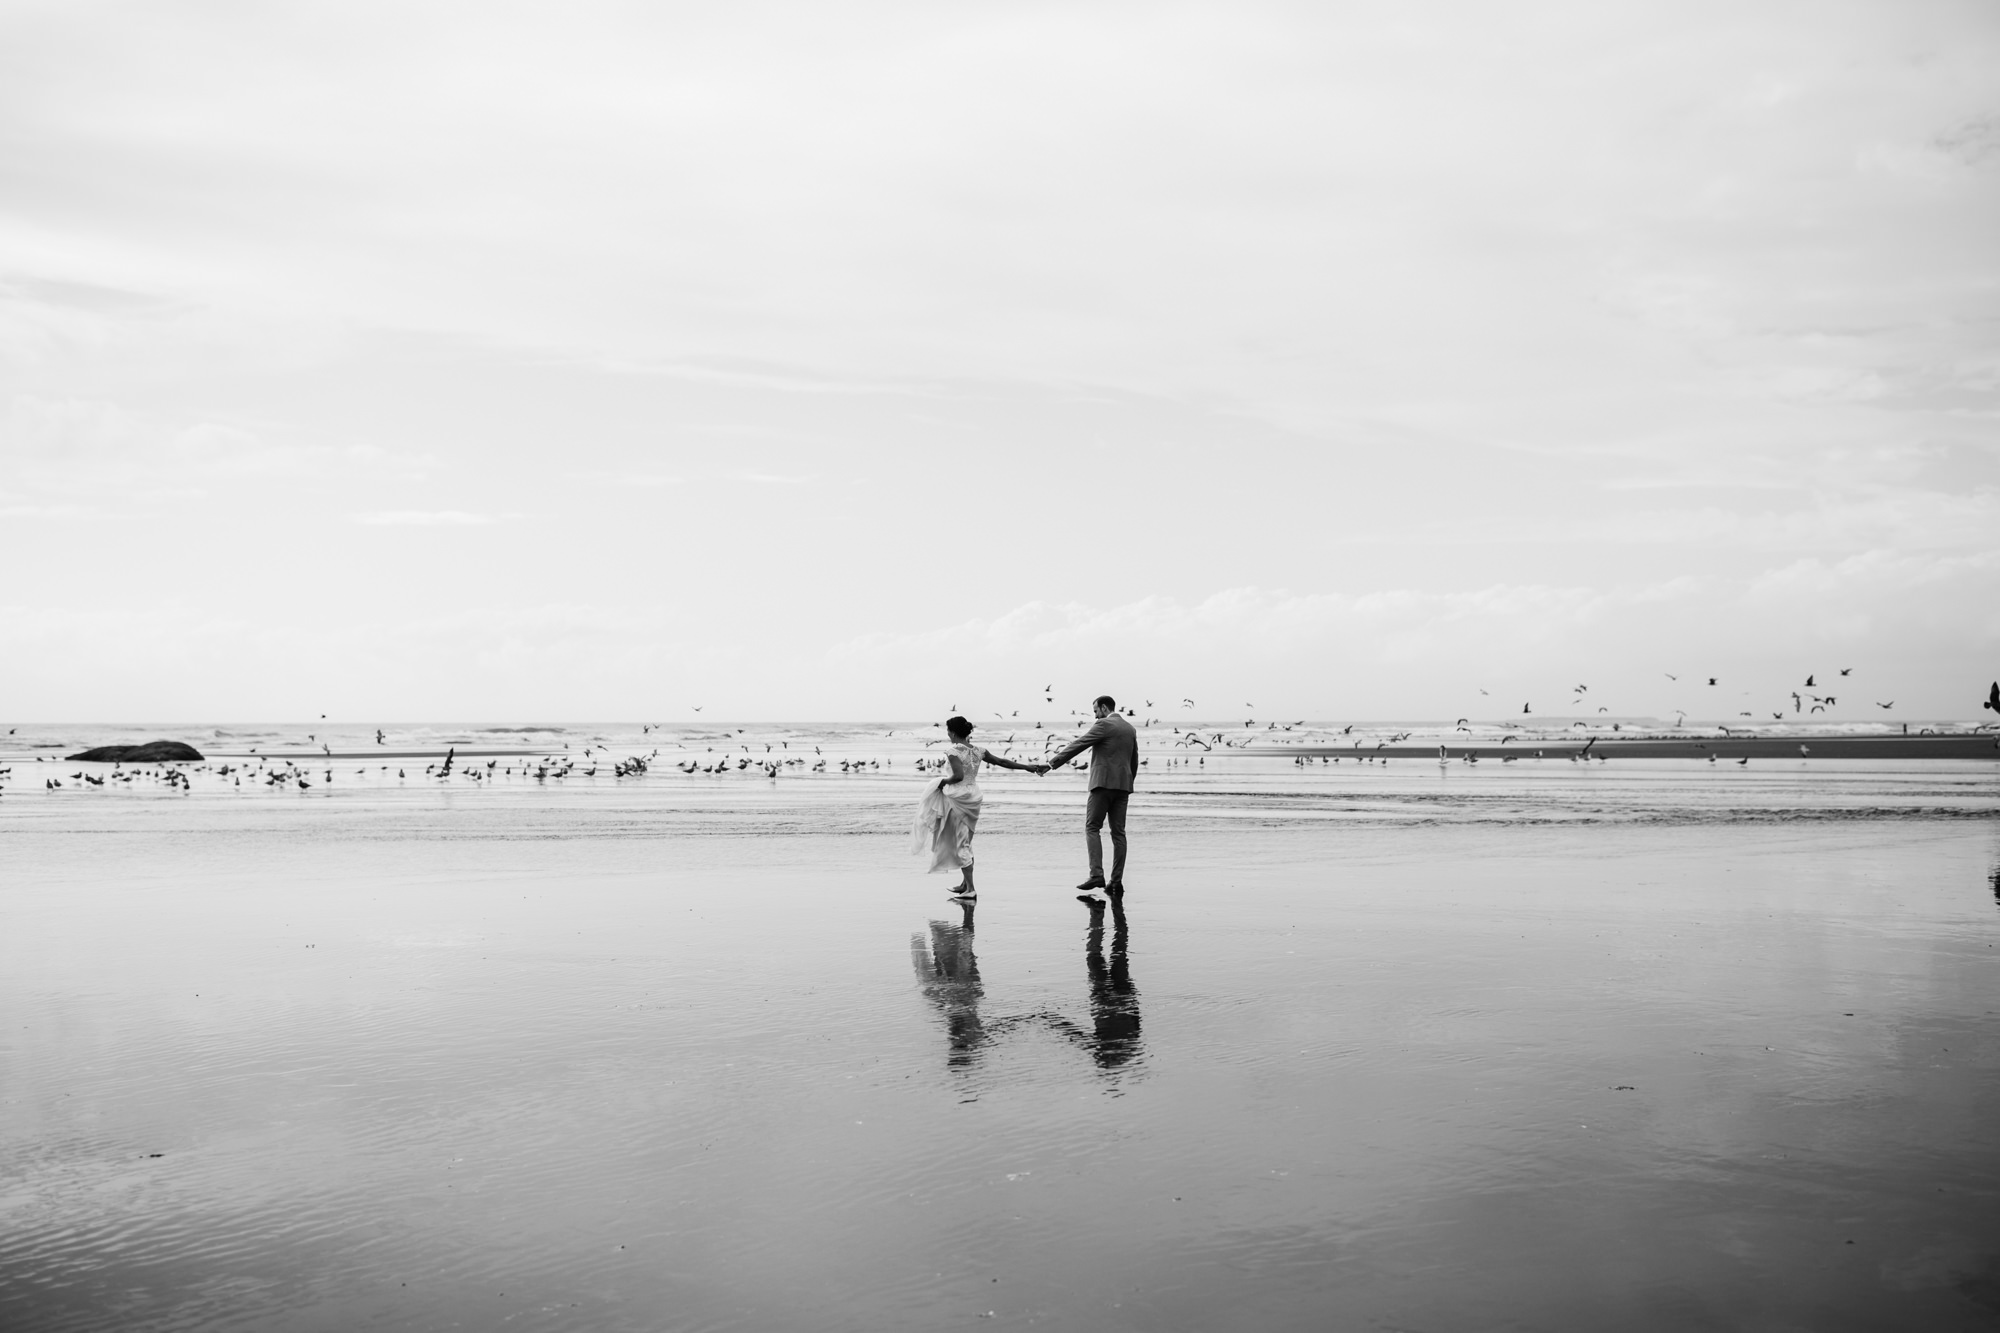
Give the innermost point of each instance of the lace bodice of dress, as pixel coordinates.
(970, 757)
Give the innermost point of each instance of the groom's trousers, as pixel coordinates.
(1106, 804)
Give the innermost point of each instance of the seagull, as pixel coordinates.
(1890, 704)
(1671, 676)
(1482, 691)
(1992, 700)
(1711, 680)
(1187, 703)
(697, 708)
(1847, 671)
(1744, 761)
(1809, 682)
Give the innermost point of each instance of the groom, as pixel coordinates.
(1114, 762)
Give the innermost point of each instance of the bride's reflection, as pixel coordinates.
(948, 975)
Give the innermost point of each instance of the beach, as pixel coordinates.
(1645, 1044)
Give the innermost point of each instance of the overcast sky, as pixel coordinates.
(847, 360)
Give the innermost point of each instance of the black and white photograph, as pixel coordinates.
(1106, 667)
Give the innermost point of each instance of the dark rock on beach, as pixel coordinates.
(153, 752)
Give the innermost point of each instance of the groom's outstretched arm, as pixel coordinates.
(1098, 731)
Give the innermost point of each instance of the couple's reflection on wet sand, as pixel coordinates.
(947, 970)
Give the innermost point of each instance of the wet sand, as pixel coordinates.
(1629, 1047)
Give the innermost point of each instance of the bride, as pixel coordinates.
(950, 810)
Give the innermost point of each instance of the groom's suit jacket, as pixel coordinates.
(1114, 753)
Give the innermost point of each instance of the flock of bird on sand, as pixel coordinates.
(777, 760)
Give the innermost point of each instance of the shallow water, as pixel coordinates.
(1557, 1046)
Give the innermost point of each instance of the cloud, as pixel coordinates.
(642, 480)
(46, 511)
(108, 451)
(426, 518)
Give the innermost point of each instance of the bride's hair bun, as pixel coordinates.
(957, 726)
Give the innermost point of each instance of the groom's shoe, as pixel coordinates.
(1091, 885)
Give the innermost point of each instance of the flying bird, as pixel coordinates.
(1524, 708)
(1890, 704)
(1809, 682)
(1993, 697)
(1711, 680)
(1847, 671)
(1671, 676)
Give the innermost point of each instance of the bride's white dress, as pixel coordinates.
(948, 815)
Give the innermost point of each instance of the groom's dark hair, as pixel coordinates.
(1106, 700)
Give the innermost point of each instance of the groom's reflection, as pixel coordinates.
(1114, 1000)
(948, 975)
